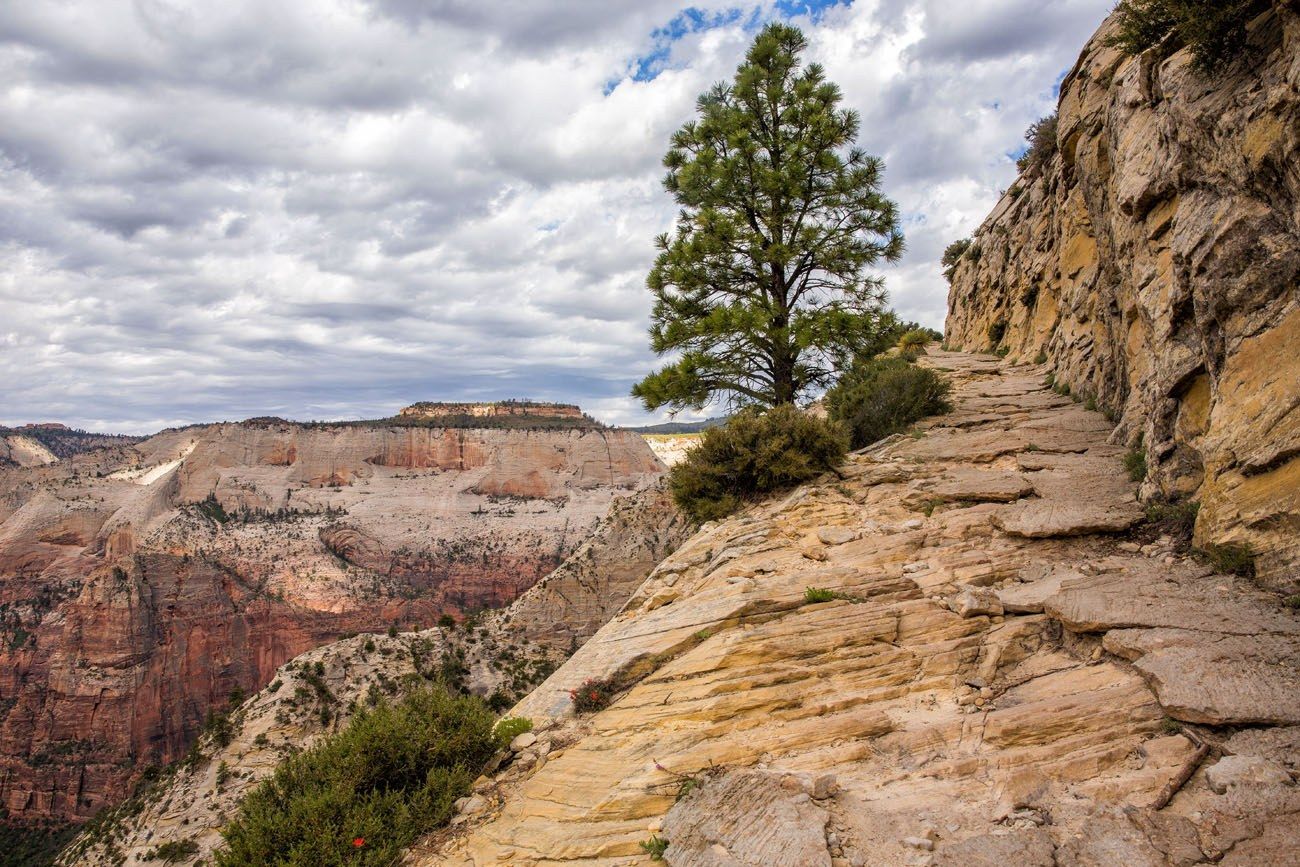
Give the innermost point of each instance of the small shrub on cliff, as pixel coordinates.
(1136, 464)
(509, 728)
(364, 794)
(753, 454)
(1173, 518)
(1041, 136)
(172, 851)
(1230, 558)
(593, 695)
(655, 847)
(996, 331)
(952, 255)
(1215, 30)
(883, 396)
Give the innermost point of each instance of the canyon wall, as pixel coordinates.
(141, 586)
(1153, 264)
(503, 653)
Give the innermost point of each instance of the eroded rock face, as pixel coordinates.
(1154, 264)
(141, 586)
(883, 727)
(503, 652)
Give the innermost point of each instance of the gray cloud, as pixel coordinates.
(318, 208)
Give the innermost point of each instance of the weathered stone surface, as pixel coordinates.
(1215, 649)
(976, 602)
(1106, 841)
(746, 819)
(1028, 598)
(1154, 263)
(1244, 771)
(1026, 848)
(930, 722)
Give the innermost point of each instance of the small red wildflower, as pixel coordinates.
(358, 842)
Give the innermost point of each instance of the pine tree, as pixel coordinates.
(761, 291)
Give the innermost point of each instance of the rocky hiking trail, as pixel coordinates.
(1012, 670)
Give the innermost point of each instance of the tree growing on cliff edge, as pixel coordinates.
(761, 292)
(1215, 30)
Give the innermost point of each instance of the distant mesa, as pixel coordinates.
(493, 409)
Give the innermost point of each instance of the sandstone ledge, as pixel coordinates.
(950, 738)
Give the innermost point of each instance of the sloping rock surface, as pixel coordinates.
(936, 738)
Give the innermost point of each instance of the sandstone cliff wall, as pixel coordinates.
(1154, 265)
(140, 587)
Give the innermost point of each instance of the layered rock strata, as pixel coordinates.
(502, 652)
(998, 664)
(139, 587)
(1154, 264)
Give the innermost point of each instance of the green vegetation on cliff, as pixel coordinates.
(361, 796)
(754, 453)
(882, 396)
(1214, 30)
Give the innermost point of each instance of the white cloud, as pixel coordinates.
(332, 208)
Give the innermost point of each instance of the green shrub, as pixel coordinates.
(594, 694)
(172, 851)
(996, 331)
(883, 396)
(1174, 518)
(1040, 358)
(362, 795)
(1292, 602)
(1041, 136)
(1215, 30)
(952, 256)
(1136, 464)
(1233, 559)
(754, 453)
(655, 847)
(915, 340)
(813, 595)
(446, 621)
(511, 727)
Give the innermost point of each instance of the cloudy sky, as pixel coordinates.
(331, 208)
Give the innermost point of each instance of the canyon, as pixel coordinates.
(144, 584)
(1005, 636)
(503, 651)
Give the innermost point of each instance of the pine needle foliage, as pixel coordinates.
(760, 293)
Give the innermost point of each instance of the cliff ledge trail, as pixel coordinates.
(1013, 670)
